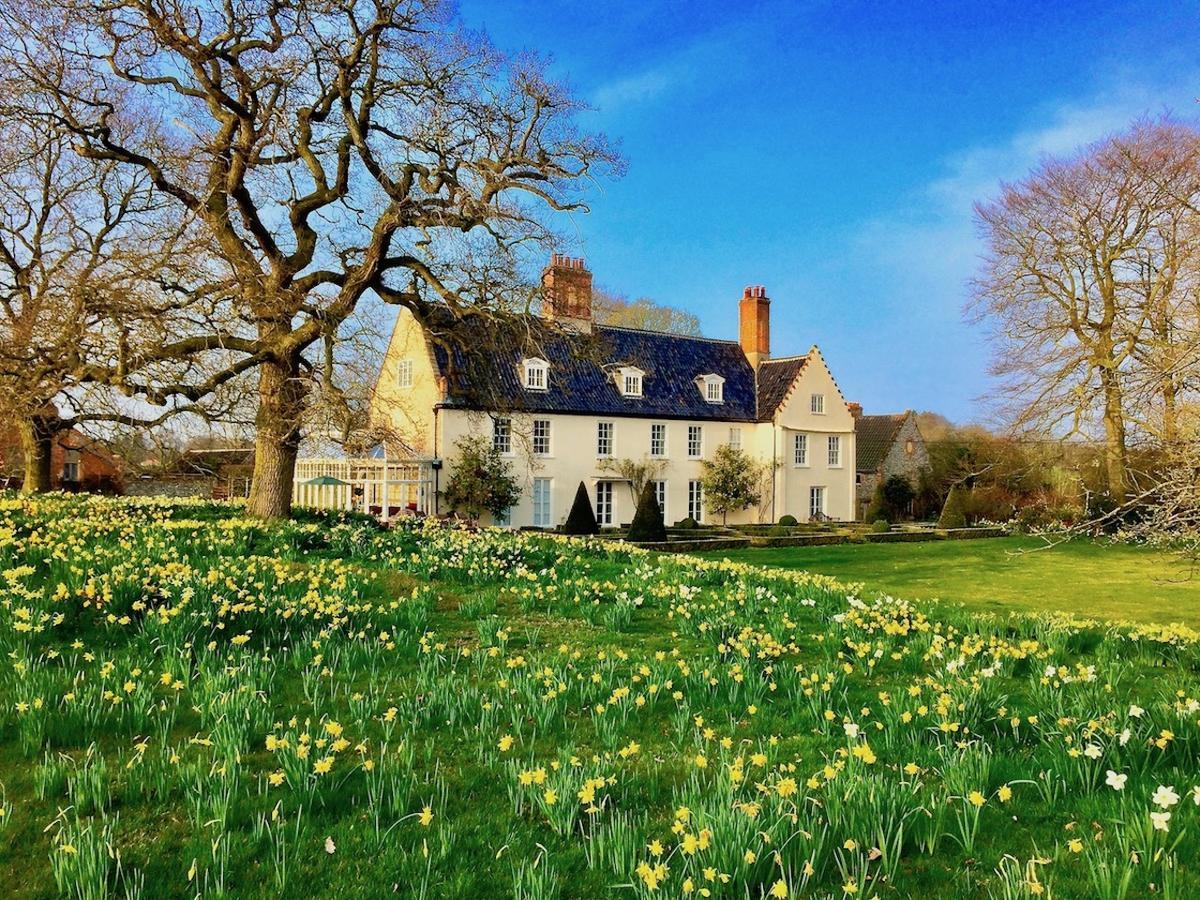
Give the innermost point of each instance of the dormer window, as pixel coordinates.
(712, 387)
(537, 374)
(629, 380)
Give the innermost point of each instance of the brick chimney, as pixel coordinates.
(754, 324)
(855, 410)
(567, 292)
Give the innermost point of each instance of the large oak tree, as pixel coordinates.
(330, 148)
(1088, 287)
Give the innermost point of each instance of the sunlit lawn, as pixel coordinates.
(1087, 578)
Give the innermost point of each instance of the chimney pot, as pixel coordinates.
(567, 290)
(754, 324)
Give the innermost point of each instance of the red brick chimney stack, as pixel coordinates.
(855, 410)
(754, 324)
(567, 290)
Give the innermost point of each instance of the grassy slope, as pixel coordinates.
(478, 844)
(1009, 574)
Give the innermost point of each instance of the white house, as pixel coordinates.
(566, 399)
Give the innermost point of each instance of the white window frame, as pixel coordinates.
(404, 373)
(541, 445)
(630, 381)
(606, 499)
(800, 451)
(602, 439)
(697, 442)
(660, 494)
(815, 492)
(536, 375)
(817, 404)
(833, 452)
(661, 453)
(502, 435)
(543, 506)
(735, 437)
(695, 504)
(712, 388)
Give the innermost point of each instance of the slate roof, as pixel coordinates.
(581, 366)
(873, 437)
(775, 377)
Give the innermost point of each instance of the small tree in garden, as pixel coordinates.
(648, 522)
(891, 500)
(877, 509)
(731, 481)
(482, 480)
(954, 513)
(581, 519)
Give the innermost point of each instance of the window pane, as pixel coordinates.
(695, 441)
(800, 454)
(541, 437)
(658, 439)
(502, 435)
(604, 438)
(604, 503)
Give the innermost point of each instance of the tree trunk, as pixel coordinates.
(1115, 462)
(37, 442)
(281, 394)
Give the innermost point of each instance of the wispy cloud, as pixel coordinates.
(641, 87)
(687, 65)
(922, 249)
(932, 227)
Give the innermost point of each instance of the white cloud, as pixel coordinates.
(929, 236)
(639, 88)
(919, 253)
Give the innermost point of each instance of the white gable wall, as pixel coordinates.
(794, 483)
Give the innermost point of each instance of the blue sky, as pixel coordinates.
(832, 151)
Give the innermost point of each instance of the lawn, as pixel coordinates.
(1086, 578)
(194, 703)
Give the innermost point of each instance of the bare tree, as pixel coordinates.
(1082, 284)
(81, 246)
(331, 148)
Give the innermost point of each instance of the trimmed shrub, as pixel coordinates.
(647, 522)
(788, 520)
(687, 524)
(878, 508)
(581, 519)
(779, 530)
(954, 513)
(880, 525)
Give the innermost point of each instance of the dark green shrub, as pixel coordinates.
(788, 520)
(647, 522)
(687, 524)
(878, 507)
(581, 519)
(880, 525)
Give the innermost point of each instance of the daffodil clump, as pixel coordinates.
(196, 703)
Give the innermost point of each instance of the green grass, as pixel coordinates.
(1019, 574)
(195, 703)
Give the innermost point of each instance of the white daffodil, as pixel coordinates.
(1165, 797)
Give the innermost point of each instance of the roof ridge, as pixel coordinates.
(792, 358)
(687, 337)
